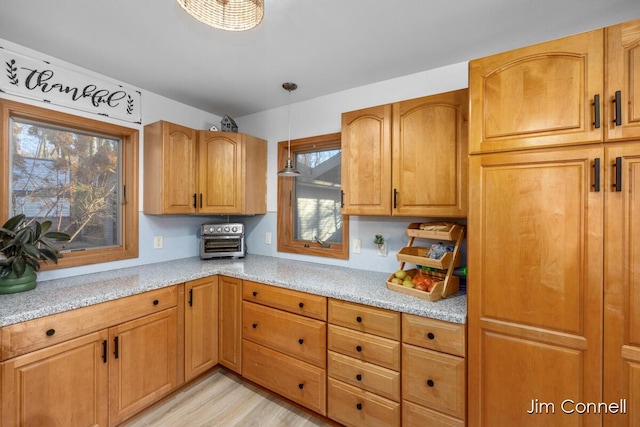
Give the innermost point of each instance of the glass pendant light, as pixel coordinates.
(289, 170)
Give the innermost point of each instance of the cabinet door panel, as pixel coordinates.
(537, 271)
(221, 173)
(366, 161)
(430, 155)
(537, 96)
(179, 164)
(623, 74)
(201, 326)
(622, 281)
(230, 323)
(65, 384)
(143, 363)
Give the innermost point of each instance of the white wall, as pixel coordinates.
(314, 117)
(321, 116)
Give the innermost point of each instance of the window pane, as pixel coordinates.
(70, 178)
(317, 213)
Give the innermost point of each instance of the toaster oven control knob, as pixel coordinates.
(234, 229)
(226, 229)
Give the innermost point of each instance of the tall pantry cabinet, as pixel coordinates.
(553, 228)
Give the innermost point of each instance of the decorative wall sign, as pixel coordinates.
(41, 80)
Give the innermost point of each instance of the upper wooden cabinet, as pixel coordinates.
(622, 105)
(169, 164)
(189, 172)
(407, 158)
(575, 90)
(541, 95)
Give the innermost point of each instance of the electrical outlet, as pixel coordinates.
(267, 238)
(357, 246)
(157, 242)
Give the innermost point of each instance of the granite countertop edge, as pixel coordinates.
(359, 286)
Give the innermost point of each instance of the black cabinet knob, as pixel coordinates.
(359, 319)
(50, 332)
(430, 383)
(300, 386)
(430, 335)
(358, 348)
(255, 293)
(359, 406)
(359, 377)
(301, 304)
(301, 341)
(156, 302)
(254, 325)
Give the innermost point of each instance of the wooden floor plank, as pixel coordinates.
(221, 399)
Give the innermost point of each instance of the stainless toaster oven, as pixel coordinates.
(222, 241)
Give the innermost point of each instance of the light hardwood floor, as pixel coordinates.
(222, 399)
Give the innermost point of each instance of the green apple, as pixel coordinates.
(408, 283)
(401, 274)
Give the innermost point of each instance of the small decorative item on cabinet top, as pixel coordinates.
(228, 124)
(433, 278)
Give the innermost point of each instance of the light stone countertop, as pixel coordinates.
(361, 286)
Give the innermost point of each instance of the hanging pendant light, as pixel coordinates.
(229, 15)
(289, 170)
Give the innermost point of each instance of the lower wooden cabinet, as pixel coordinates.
(96, 378)
(143, 365)
(353, 406)
(292, 378)
(58, 384)
(230, 323)
(200, 326)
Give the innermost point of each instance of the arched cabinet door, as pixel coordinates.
(549, 94)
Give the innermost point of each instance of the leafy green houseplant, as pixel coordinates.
(23, 246)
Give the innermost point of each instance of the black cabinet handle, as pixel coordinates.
(430, 335)
(596, 174)
(301, 386)
(300, 341)
(618, 184)
(341, 199)
(359, 406)
(430, 383)
(617, 120)
(115, 347)
(596, 111)
(156, 302)
(301, 304)
(200, 200)
(191, 297)
(254, 293)
(104, 351)
(254, 325)
(50, 332)
(195, 200)
(359, 319)
(395, 198)
(359, 377)
(358, 348)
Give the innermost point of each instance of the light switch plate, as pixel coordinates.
(157, 242)
(356, 246)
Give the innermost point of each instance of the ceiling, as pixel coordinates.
(324, 46)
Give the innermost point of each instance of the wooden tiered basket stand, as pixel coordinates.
(441, 269)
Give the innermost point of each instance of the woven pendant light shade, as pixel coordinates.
(230, 15)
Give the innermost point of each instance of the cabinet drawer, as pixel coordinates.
(367, 376)
(25, 337)
(418, 416)
(364, 347)
(373, 320)
(291, 334)
(354, 407)
(435, 380)
(292, 378)
(434, 334)
(309, 305)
